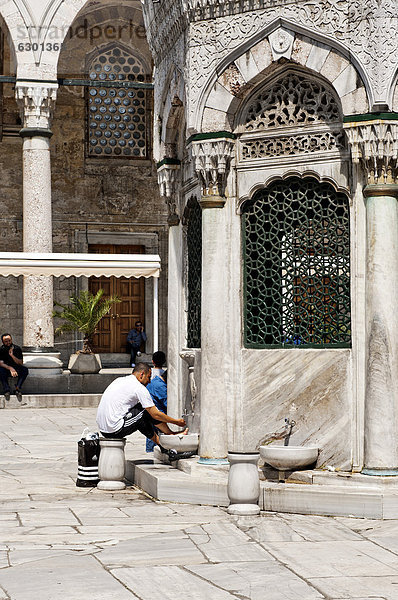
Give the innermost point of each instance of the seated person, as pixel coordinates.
(11, 364)
(158, 390)
(158, 360)
(126, 406)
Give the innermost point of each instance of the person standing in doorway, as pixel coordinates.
(11, 364)
(135, 338)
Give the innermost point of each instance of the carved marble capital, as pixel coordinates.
(212, 159)
(374, 145)
(168, 180)
(188, 356)
(36, 103)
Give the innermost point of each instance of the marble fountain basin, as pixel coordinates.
(179, 442)
(289, 458)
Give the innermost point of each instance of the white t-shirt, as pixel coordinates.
(121, 395)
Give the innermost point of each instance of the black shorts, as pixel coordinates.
(137, 419)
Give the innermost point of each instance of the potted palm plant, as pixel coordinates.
(83, 314)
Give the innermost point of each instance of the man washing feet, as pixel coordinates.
(126, 406)
(11, 363)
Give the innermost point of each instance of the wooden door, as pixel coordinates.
(113, 328)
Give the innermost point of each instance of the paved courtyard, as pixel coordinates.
(62, 542)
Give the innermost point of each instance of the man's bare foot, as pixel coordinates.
(182, 432)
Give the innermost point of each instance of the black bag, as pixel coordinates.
(88, 450)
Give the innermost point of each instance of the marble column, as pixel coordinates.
(168, 179)
(212, 155)
(374, 148)
(213, 401)
(36, 104)
(174, 400)
(37, 237)
(381, 400)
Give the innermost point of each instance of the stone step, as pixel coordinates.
(52, 401)
(116, 359)
(208, 485)
(170, 484)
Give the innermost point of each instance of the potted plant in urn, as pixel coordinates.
(83, 314)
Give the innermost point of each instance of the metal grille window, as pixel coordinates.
(296, 244)
(194, 242)
(116, 116)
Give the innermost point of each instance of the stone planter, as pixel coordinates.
(84, 363)
(243, 483)
(111, 464)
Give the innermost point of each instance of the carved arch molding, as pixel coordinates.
(366, 31)
(292, 115)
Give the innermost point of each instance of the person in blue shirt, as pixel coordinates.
(158, 390)
(135, 338)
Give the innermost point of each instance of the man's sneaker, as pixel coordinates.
(18, 394)
(7, 395)
(174, 455)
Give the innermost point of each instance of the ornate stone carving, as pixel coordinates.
(374, 144)
(36, 103)
(281, 42)
(369, 30)
(188, 356)
(212, 158)
(291, 101)
(168, 179)
(292, 145)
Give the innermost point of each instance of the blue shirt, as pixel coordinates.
(158, 390)
(136, 337)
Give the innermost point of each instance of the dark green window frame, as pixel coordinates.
(296, 256)
(194, 247)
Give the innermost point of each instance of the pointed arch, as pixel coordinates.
(255, 60)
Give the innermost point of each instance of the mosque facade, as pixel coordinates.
(253, 145)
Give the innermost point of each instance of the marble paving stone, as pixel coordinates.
(319, 529)
(368, 526)
(152, 550)
(256, 581)
(334, 559)
(20, 557)
(358, 587)
(3, 559)
(10, 517)
(100, 515)
(222, 529)
(227, 548)
(133, 529)
(271, 529)
(38, 518)
(169, 583)
(60, 578)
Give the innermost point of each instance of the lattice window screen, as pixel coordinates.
(296, 244)
(117, 117)
(194, 242)
(292, 101)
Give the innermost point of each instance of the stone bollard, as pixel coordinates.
(111, 465)
(243, 483)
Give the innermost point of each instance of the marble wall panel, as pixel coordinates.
(310, 386)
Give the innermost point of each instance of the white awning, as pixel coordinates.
(88, 265)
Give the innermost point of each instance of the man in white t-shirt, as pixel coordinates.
(126, 406)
